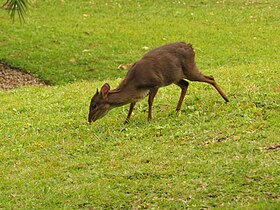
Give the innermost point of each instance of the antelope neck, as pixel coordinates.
(118, 97)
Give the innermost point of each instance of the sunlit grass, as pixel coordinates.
(68, 41)
(213, 154)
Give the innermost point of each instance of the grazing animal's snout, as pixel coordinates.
(89, 119)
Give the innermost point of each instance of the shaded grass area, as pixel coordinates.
(213, 154)
(68, 41)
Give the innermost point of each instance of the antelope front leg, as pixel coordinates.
(129, 112)
(152, 94)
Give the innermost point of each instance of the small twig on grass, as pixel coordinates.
(273, 147)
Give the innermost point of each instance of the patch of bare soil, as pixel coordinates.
(12, 78)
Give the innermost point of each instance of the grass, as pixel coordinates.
(89, 39)
(212, 155)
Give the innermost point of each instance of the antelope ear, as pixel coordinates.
(105, 90)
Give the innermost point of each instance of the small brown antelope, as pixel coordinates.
(171, 63)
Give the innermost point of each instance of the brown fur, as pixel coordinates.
(162, 66)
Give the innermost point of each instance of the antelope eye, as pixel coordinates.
(93, 106)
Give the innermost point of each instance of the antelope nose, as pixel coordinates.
(89, 119)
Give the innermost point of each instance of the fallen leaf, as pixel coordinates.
(124, 66)
(73, 60)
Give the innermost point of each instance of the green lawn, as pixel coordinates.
(212, 155)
